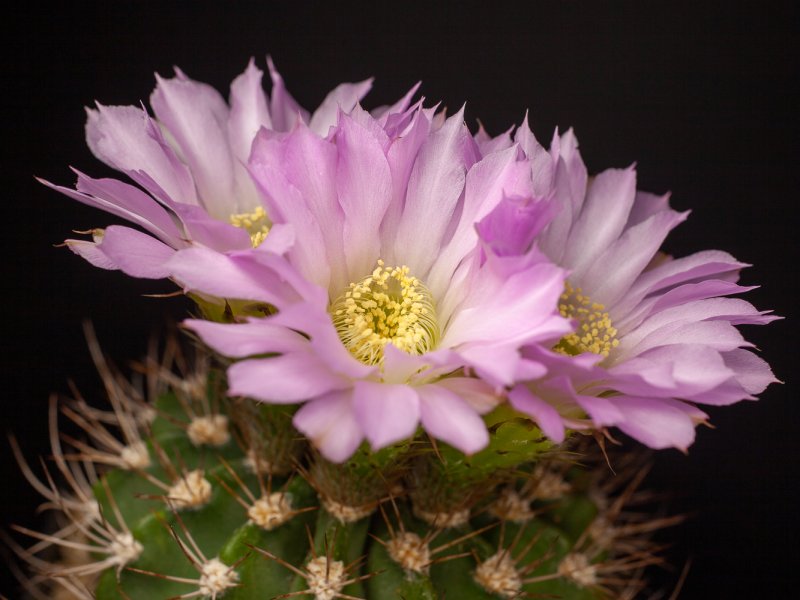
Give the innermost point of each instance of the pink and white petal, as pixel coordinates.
(297, 175)
(602, 411)
(612, 273)
(207, 271)
(284, 379)
(719, 335)
(238, 340)
(511, 228)
(546, 417)
(401, 156)
(498, 364)
(135, 253)
(91, 253)
(488, 145)
(249, 111)
(248, 114)
(382, 113)
(286, 205)
(683, 294)
(569, 189)
(329, 422)
(364, 185)
(503, 305)
(124, 201)
(284, 110)
(449, 418)
(121, 136)
(435, 186)
(689, 269)
(752, 372)
(197, 117)
(386, 413)
(343, 97)
(543, 164)
(731, 310)
(656, 423)
(601, 221)
(202, 228)
(475, 392)
(498, 176)
(691, 369)
(400, 366)
(645, 206)
(368, 122)
(311, 317)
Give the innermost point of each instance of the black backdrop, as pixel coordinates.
(700, 95)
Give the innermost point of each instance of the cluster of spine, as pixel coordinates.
(181, 492)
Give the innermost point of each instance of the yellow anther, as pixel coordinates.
(595, 332)
(255, 223)
(389, 306)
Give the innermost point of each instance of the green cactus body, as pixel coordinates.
(229, 502)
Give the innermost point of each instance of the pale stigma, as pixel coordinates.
(390, 306)
(595, 332)
(254, 223)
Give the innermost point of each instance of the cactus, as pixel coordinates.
(180, 491)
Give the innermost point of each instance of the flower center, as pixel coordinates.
(387, 307)
(594, 333)
(255, 223)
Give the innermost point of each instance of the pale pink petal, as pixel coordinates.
(197, 117)
(343, 97)
(386, 413)
(656, 423)
(542, 163)
(364, 184)
(329, 422)
(488, 182)
(546, 417)
(399, 366)
(238, 340)
(478, 394)
(121, 136)
(297, 176)
(612, 273)
(284, 110)
(124, 201)
(750, 371)
(602, 219)
(92, 253)
(401, 156)
(434, 188)
(382, 113)
(249, 111)
(504, 306)
(284, 379)
(135, 253)
(569, 188)
(204, 270)
(447, 417)
(248, 114)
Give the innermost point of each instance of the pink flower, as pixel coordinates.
(190, 163)
(655, 336)
(391, 311)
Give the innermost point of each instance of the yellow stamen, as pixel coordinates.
(387, 307)
(595, 332)
(255, 223)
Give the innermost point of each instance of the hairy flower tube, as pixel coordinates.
(653, 336)
(189, 162)
(391, 311)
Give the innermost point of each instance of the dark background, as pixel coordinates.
(701, 95)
